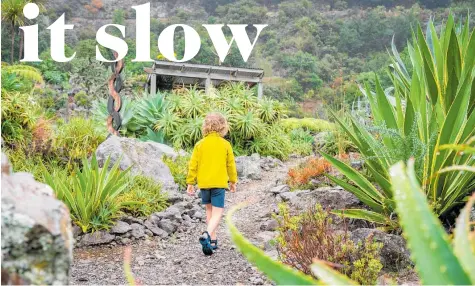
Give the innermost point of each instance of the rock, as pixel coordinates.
(138, 231)
(148, 232)
(268, 163)
(472, 214)
(77, 231)
(394, 254)
(198, 215)
(37, 238)
(184, 206)
(328, 197)
(144, 158)
(97, 238)
(269, 225)
(120, 227)
(167, 225)
(248, 167)
(195, 209)
(155, 229)
(125, 240)
(131, 220)
(173, 213)
(335, 198)
(186, 217)
(279, 189)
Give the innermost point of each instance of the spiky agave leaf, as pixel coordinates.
(168, 122)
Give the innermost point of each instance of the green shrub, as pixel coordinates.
(146, 195)
(82, 99)
(426, 238)
(308, 124)
(92, 193)
(19, 114)
(301, 141)
(311, 235)
(78, 138)
(431, 108)
(179, 168)
(49, 99)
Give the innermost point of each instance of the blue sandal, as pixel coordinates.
(214, 244)
(205, 241)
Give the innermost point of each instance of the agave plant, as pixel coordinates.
(267, 111)
(127, 115)
(192, 128)
(428, 109)
(149, 109)
(153, 136)
(91, 193)
(426, 238)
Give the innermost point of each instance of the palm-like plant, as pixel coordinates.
(193, 104)
(248, 125)
(267, 110)
(12, 12)
(168, 123)
(432, 107)
(192, 128)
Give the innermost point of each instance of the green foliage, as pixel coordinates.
(301, 142)
(308, 124)
(92, 193)
(82, 99)
(303, 238)
(49, 99)
(254, 125)
(25, 72)
(410, 124)
(146, 195)
(127, 113)
(19, 114)
(427, 239)
(78, 138)
(179, 168)
(278, 272)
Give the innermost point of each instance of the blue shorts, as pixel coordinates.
(215, 197)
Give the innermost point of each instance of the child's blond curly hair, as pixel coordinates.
(215, 122)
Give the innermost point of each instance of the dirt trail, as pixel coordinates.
(179, 259)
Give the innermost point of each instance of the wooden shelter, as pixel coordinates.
(169, 75)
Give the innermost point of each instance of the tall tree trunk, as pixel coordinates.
(13, 43)
(20, 52)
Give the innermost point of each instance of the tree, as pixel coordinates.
(12, 12)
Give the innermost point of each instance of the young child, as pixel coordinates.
(212, 165)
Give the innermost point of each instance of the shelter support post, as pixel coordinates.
(153, 84)
(260, 90)
(208, 85)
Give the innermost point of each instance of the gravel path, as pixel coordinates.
(179, 259)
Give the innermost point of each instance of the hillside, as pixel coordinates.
(311, 50)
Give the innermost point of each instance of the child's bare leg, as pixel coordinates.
(209, 213)
(213, 223)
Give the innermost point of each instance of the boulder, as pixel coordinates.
(97, 238)
(37, 239)
(172, 213)
(167, 225)
(394, 255)
(138, 231)
(249, 167)
(144, 158)
(120, 227)
(150, 224)
(328, 197)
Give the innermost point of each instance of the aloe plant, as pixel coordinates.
(436, 260)
(422, 113)
(91, 194)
